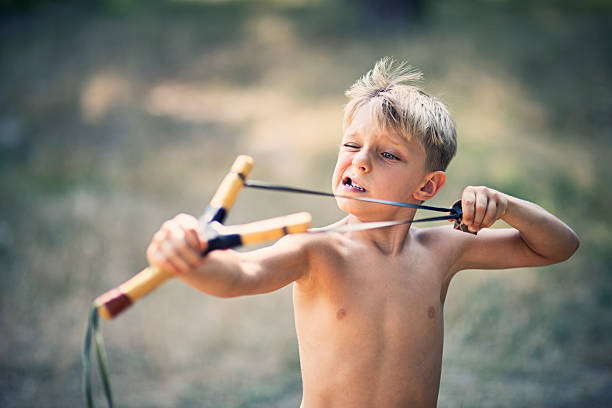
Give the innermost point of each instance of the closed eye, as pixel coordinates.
(351, 146)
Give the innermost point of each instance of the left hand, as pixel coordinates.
(482, 206)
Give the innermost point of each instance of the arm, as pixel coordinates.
(177, 246)
(538, 237)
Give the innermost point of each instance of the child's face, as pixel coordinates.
(377, 164)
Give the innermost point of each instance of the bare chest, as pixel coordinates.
(396, 298)
(385, 287)
(379, 315)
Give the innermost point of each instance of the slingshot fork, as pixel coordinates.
(115, 301)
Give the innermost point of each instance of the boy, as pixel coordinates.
(368, 304)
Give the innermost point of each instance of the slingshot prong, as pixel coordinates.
(117, 300)
(228, 190)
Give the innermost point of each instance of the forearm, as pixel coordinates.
(222, 274)
(177, 247)
(541, 231)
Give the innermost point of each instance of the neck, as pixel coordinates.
(388, 240)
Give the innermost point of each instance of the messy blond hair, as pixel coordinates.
(405, 109)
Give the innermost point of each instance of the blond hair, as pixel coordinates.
(405, 109)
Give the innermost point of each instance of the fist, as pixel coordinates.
(482, 206)
(177, 246)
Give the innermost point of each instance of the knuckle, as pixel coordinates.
(186, 220)
(167, 248)
(177, 235)
(168, 225)
(181, 218)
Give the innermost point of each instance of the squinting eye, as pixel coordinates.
(350, 146)
(389, 156)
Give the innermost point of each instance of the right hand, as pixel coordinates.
(177, 246)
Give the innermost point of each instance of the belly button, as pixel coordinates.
(340, 314)
(431, 312)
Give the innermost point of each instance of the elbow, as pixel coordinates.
(572, 245)
(576, 244)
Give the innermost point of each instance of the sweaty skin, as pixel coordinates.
(369, 305)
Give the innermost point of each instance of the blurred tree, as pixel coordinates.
(21, 5)
(406, 10)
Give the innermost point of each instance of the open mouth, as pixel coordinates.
(348, 182)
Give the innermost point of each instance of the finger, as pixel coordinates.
(191, 227)
(194, 240)
(481, 208)
(490, 215)
(156, 257)
(159, 236)
(468, 199)
(173, 257)
(191, 256)
(153, 252)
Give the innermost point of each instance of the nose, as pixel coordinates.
(361, 161)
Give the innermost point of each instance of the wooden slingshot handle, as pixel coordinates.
(113, 302)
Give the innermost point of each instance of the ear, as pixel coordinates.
(433, 183)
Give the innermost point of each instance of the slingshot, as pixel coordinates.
(219, 236)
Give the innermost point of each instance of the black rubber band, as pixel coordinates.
(263, 185)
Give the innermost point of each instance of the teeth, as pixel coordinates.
(350, 183)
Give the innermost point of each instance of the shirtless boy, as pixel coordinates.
(369, 305)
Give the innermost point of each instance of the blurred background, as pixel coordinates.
(116, 115)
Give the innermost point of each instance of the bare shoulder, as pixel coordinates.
(445, 243)
(443, 237)
(310, 243)
(312, 247)
(492, 248)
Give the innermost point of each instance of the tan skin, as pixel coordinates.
(369, 305)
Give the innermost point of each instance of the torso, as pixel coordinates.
(370, 326)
